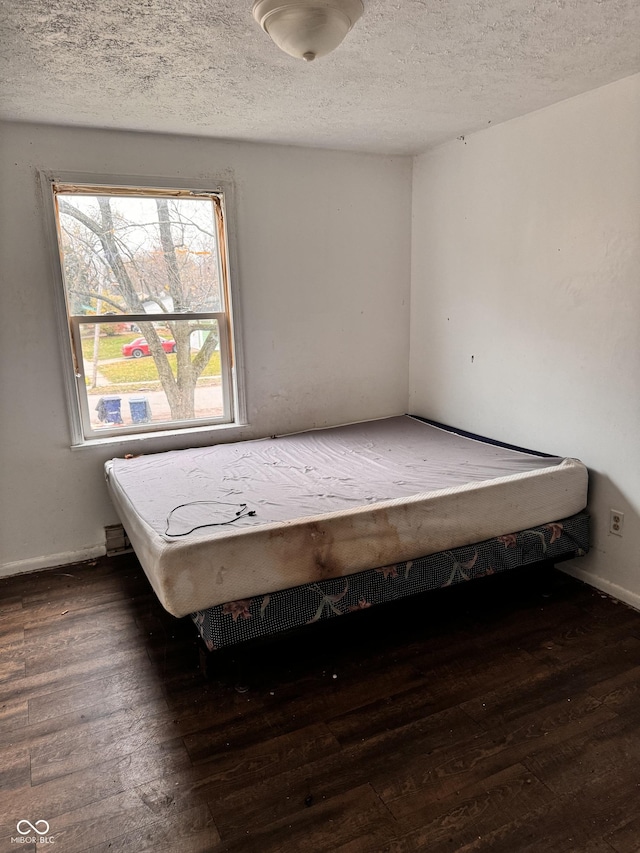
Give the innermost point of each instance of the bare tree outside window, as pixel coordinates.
(146, 289)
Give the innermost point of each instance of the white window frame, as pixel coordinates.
(233, 391)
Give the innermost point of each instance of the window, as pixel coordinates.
(148, 304)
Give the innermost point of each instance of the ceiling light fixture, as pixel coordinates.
(307, 29)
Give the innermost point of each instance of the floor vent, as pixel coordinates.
(116, 540)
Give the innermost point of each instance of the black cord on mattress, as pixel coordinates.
(243, 512)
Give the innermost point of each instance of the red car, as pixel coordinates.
(139, 347)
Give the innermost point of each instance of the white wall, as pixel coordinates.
(525, 320)
(323, 243)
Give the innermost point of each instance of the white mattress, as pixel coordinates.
(327, 503)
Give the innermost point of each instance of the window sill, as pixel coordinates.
(159, 438)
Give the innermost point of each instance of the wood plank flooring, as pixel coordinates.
(502, 715)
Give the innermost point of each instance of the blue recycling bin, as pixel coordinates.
(140, 410)
(108, 410)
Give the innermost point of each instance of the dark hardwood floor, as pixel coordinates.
(502, 715)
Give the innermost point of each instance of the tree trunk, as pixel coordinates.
(185, 378)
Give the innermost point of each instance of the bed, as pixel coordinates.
(260, 536)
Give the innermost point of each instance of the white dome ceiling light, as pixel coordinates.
(307, 29)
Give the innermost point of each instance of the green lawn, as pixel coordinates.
(144, 369)
(109, 346)
(141, 387)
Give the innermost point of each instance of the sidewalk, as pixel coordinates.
(208, 404)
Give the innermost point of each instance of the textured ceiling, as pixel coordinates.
(411, 74)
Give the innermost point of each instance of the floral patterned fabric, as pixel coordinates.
(238, 621)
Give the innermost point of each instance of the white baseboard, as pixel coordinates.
(604, 585)
(52, 561)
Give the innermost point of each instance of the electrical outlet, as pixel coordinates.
(116, 540)
(616, 522)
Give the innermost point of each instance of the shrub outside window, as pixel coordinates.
(146, 285)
